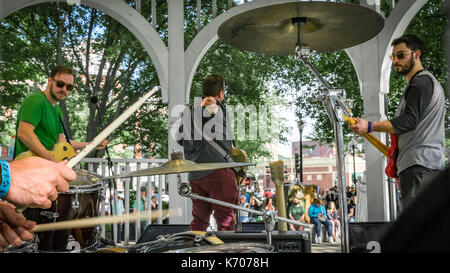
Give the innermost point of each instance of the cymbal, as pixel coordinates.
(179, 166)
(329, 26)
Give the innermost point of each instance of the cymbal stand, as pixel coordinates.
(270, 217)
(333, 104)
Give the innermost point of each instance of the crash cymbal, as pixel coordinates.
(327, 26)
(179, 166)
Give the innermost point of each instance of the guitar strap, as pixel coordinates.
(239, 171)
(64, 129)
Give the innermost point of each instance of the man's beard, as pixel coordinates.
(407, 68)
(53, 95)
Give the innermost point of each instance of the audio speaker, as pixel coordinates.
(365, 237)
(257, 226)
(286, 242)
(152, 232)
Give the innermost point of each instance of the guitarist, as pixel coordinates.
(418, 123)
(217, 184)
(39, 120)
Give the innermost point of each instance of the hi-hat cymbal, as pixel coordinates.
(329, 26)
(179, 166)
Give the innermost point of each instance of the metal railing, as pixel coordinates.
(126, 186)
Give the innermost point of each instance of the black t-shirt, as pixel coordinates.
(350, 206)
(417, 96)
(255, 207)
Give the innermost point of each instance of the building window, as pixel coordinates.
(309, 177)
(319, 177)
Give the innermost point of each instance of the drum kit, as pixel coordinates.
(297, 28)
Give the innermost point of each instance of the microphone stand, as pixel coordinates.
(94, 100)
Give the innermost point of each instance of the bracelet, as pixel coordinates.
(370, 127)
(6, 178)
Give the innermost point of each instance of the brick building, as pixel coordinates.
(319, 164)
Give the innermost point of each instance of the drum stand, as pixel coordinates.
(270, 217)
(335, 107)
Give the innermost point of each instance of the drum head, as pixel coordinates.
(85, 178)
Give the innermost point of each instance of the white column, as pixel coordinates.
(177, 91)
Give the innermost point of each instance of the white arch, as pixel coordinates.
(128, 17)
(395, 26)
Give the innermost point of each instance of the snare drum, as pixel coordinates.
(82, 200)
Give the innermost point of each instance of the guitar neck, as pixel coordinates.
(383, 148)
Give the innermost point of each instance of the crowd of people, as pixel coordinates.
(252, 197)
(323, 211)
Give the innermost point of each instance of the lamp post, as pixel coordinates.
(353, 143)
(300, 129)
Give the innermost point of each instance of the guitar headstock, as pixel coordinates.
(349, 118)
(277, 171)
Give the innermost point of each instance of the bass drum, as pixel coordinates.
(167, 243)
(82, 200)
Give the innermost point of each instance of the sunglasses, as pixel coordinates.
(61, 84)
(400, 55)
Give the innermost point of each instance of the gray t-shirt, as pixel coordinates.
(419, 124)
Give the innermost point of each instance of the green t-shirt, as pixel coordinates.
(142, 204)
(37, 110)
(296, 212)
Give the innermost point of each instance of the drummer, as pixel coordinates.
(217, 184)
(49, 177)
(39, 119)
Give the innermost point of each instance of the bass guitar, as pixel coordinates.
(390, 152)
(241, 157)
(61, 151)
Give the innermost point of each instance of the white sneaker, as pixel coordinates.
(319, 240)
(330, 239)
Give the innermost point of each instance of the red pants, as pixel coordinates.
(220, 185)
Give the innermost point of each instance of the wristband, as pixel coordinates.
(370, 127)
(6, 178)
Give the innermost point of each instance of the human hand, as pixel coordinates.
(208, 101)
(14, 228)
(102, 144)
(35, 182)
(210, 104)
(360, 127)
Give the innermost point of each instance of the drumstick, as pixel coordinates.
(95, 221)
(108, 130)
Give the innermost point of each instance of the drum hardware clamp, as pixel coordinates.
(50, 215)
